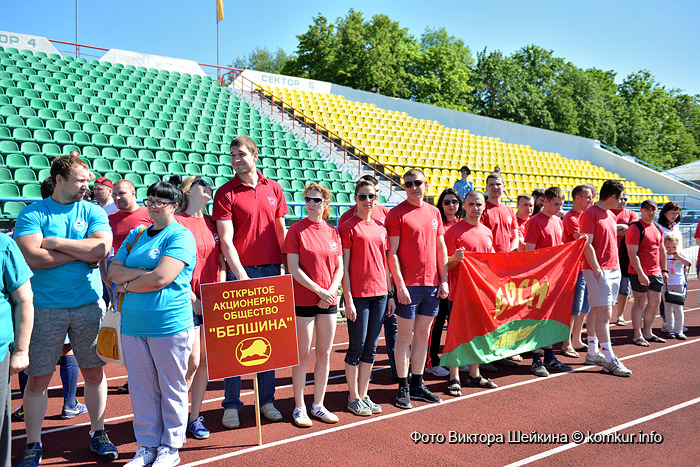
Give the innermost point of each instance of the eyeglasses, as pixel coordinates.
(364, 197)
(623, 199)
(157, 204)
(412, 183)
(447, 202)
(308, 200)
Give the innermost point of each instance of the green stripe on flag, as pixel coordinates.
(512, 338)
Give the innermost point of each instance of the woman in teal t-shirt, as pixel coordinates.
(154, 268)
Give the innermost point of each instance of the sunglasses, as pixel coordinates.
(364, 197)
(201, 181)
(308, 200)
(412, 183)
(204, 184)
(623, 199)
(157, 204)
(447, 202)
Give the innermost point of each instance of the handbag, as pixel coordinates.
(677, 298)
(109, 337)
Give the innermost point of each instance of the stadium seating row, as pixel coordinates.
(398, 141)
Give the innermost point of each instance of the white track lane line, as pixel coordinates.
(614, 429)
(81, 383)
(381, 417)
(417, 409)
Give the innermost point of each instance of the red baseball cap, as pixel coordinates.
(104, 181)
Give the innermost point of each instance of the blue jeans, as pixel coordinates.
(266, 379)
(580, 297)
(363, 333)
(391, 327)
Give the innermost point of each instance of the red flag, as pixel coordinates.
(509, 303)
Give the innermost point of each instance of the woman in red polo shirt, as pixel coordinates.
(314, 257)
(210, 268)
(365, 285)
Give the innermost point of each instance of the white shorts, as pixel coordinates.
(602, 291)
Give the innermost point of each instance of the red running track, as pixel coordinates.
(659, 405)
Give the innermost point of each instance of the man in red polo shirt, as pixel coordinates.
(601, 270)
(249, 212)
(544, 230)
(583, 199)
(624, 217)
(502, 222)
(417, 260)
(128, 216)
(523, 212)
(647, 272)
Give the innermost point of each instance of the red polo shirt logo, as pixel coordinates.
(272, 200)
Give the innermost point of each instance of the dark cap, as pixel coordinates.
(104, 181)
(648, 202)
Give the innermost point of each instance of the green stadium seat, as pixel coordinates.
(43, 174)
(225, 171)
(91, 152)
(50, 150)
(22, 134)
(101, 165)
(15, 161)
(110, 153)
(140, 167)
(31, 191)
(135, 179)
(5, 175)
(146, 155)
(25, 176)
(38, 162)
(12, 208)
(150, 179)
(8, 190)
(193, 170)
(121, 165)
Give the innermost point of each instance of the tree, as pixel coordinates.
(441, 71)
(263, 60)
(315, 54)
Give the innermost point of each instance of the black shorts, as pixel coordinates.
(312, 311)
(656, 284)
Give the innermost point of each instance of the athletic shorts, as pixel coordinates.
(82, 324)
(625, 286)
(312, 311)
(602, 291)
(424, 301)
(656, 284)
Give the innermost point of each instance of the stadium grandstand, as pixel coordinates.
(144, 117)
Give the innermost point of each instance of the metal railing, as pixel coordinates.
(324, 136)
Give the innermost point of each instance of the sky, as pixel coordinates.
(624, 36)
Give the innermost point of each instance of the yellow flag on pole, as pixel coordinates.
(219, 10)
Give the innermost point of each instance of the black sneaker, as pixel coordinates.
(403, 399)
(422, 393)
(103, 447)
(556, 365)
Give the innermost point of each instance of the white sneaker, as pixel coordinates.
(167, 457)
(323, 414)
(616, 368)
(301, 418)
(438, 371)
(144, 456)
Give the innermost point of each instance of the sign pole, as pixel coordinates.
(257, 408)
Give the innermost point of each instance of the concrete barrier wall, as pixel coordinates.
(148, 61)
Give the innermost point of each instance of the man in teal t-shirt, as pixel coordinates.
(62, 239)
(16, 319)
